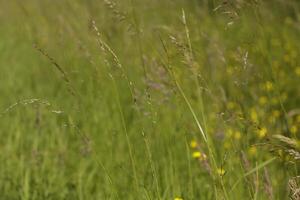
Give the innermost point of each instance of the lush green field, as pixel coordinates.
(157, 99)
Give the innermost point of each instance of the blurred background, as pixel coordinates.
(136, 99)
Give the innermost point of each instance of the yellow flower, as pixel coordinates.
(269, 86)
(229, 132)
(231, 105)
(272, 119)
(293, 129)
(221, 171)
(178, 198)
(262, 100)
(237, 135)
(262, 132)
(252, 151)
(197, 154)
(253, 115)
(193, 144)
(276, 113)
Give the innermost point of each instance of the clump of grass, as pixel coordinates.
(185, 104)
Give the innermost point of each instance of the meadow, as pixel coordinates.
(149, 100)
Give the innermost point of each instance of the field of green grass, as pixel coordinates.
(149, 99)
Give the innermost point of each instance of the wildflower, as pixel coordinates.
(237, 135)
(220, 171)
(193, 144)
(252, 151)
(231, 105)
(253, 115)
(197, 154)
(262, 100)
(229, 132)
(272, 119)
(293, 129)
(262, 132)
(178, 198)
(269, 86)
(276, 113)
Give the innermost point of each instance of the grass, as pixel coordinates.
(149, 99)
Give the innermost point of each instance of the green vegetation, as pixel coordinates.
(158, 99)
